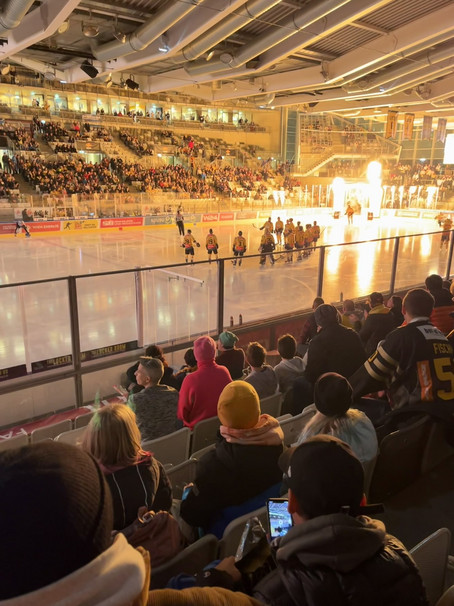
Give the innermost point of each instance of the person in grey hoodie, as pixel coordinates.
(262, 376)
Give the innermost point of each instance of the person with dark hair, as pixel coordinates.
(394, 304)
(290, 367)
(414, 363)
(378, 323)
(335, 348)
(334, 554)
(310, 326)
(229, 355)
(262, 376)
(190, 365)
(443, 306)
(152, 351)
(335, 416)
(212, 245)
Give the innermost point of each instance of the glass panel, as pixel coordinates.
(261, 291)
(420, 256)
(180, 302)
(107, 311)
(40, 328)
(356, 270)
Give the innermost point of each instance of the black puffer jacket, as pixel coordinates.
(337, 560)
(230, 475)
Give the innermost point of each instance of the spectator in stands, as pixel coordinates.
(200, 390)
(152, 351)
(310, 326)
(334, 349)
(378, 323)
(243, 468)
(229, 355)
(414, 363)
(394, 304)
(61, 550)
(262, 376)
(333, 554)
(351, 317)
(134, 476)
(443, 304)
(156, 405)
(334, 415)
(190, 365)
(290, 367)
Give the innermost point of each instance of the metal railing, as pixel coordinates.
(154, 318)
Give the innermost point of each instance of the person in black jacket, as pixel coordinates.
(335, 348)
(244, 464)
(378, 324)
(332, 555)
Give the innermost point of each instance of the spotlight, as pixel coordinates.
(63, 27)
(89, 30)
(109, 83)
(131, 84)
(89, 69)
(120, 36)
(163, 44)
(209, 55)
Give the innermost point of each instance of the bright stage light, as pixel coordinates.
(374, 171)
(338, 194)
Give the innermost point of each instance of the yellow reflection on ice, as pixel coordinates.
(426, 245)
(366, 264)
(332, 259)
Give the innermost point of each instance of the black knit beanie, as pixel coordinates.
(55, 515)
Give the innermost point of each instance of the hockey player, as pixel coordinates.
(315, 233)
(188, 245)
(447, 226)
(267, 246)
(20, 225)
(239, 248)
(212, 245)
(279, 228)
(268, 225)
(299, 240)
(289, 239)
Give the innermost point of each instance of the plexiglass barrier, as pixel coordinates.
(68, 325)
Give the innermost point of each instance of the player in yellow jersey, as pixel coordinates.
(279, 228)
(239, 248)
(309, 239)
(447, 226)
(289, 239)
(300, 237)
(212, 245)
(315, 233)
(268, 225)
(267, 246)
(188, 245)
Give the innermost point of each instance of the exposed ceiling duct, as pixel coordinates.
(227, 27)
(144, 35)
(285, 29)
(13, 13)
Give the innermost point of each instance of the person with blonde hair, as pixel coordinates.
(134, 476)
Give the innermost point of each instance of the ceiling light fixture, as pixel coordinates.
(118, 34)
(63, 27)
(5, 70)
(90, 29)
(163, 44)
(209, 55)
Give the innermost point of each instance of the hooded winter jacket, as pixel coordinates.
(337, 560)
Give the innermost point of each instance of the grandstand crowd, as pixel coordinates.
(349, 372)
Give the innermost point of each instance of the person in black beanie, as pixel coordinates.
(56, 523)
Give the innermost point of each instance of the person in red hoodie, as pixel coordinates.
(201, 389)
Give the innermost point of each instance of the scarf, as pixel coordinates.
(267, 432)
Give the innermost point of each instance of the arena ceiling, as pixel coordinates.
(346, 56)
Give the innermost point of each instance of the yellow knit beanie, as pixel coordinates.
(239, 406)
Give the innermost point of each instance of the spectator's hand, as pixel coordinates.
(228, 565)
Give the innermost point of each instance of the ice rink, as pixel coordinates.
(183, 303)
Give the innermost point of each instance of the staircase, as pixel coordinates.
(24, 186)
(44, 146)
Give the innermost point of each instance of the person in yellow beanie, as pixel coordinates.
(242, 471)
